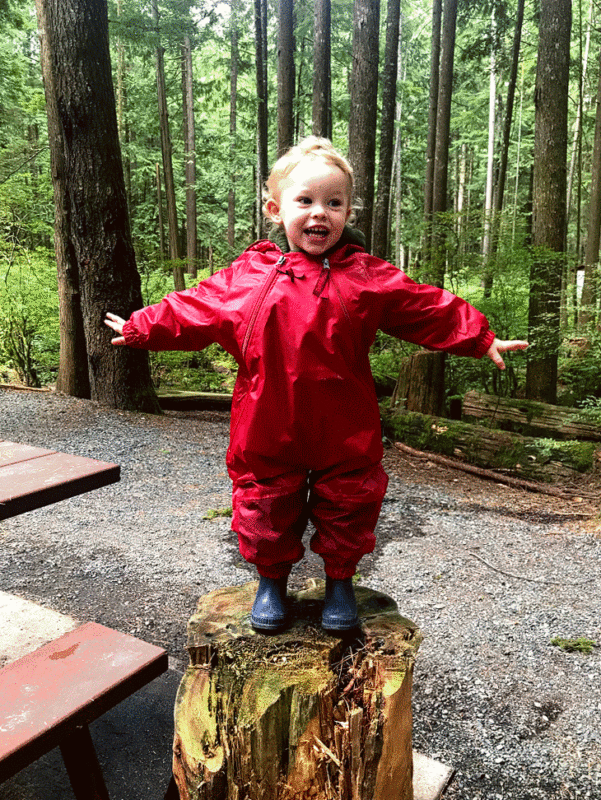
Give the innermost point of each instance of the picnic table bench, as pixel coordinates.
(49, 697)
(31, 477)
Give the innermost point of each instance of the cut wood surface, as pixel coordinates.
(297, 715)
(532, 418)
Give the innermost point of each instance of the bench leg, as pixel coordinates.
(82, 765)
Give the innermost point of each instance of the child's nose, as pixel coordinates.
(318, 210)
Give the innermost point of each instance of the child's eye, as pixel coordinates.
(304, 201)
(335, 203)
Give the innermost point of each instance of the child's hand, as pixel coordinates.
(498, 346)
(116, 323)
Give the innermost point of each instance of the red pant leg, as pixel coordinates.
(270, 517)
(344, 507)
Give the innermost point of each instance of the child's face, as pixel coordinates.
(314, 205)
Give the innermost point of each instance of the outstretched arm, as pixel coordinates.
(499, 346)
(116, 323)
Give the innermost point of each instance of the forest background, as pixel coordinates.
(477, 151)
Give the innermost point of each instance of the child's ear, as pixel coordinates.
(273, 210)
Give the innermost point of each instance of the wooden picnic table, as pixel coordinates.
(31, 477)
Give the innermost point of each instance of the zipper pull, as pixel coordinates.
(280, 261)
(323, 278)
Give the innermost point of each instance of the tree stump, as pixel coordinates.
(300, 715)
(421, 382)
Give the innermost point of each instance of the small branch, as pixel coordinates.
(531, 580)
(487, 474)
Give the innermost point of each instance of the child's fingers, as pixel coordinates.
(119, 341)
(115, 322)
(513, 344)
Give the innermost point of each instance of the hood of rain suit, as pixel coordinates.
(300, 328)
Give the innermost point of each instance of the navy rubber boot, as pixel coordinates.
(269, 611)
(340, 607)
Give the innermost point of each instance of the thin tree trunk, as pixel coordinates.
(322, 82)
(160, 215)
(432, 114)
(234, 57)
(441, 157)
(262, 171)
(549, 197)
(190, 150)
(178, 273)
(363, 114)
(591, 257)
(389, 80)
(285, 76)
(490, 171)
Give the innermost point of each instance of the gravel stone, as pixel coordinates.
(489, 574)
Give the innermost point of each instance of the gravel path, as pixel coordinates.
(489, 583)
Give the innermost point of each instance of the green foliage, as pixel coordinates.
(578, 645)
(216, 513)
(28, 314)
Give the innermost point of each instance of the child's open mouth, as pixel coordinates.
(318, 233)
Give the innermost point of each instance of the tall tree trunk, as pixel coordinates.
(591, 257)
(262, 170)
(380, 233)
(549, 197)
(487, 249)
(363, 113)
(93, 194)
(285, 76)
(504, 155)
(431, 140)
(166, 151)
(234, 57)
(322, 69)
(160, 214)
(441, 152)
(73, 378)
(190, 150)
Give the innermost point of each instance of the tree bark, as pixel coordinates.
(549, 197)
(97, 227)
(261, 67)
(441, 156)
(389, 81)
(285, 76)
(72, 378)
(431, 140)
(421, 382)
(591, 256)
(363, 112)
(190, 151)
(166, 151)
(299, 715)
(526, 456)
(532, 418)
(322, 75)
(234, 57)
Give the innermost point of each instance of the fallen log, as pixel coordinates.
(531, 418)
(487, 474)
(535, 459)
(299, 715)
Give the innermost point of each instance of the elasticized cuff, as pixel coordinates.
(485, 342)
(133, 337)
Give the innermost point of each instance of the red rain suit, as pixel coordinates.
(305, 438)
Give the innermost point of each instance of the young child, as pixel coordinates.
(305, 439)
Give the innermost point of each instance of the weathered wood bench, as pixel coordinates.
(49, 697)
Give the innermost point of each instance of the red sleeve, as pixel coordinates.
(187, 320)
(432, 317)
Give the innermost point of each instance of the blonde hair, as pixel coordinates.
(312, 147)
